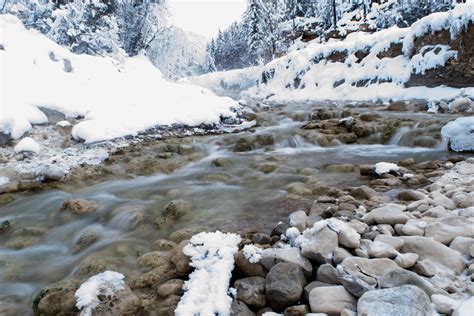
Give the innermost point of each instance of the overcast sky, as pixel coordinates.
(206, 16)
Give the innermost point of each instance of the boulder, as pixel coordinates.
(363, 193)
(79, 207)
(248, 268)
(368, 270)
(240, 309)
(331, 300)
(180, 260)
(57, 298)
(328, 274)
(320, 244)
(403, 300)
(284, 285)
(401, 277)
(387, 214)
(273, 256)
(251, 291)
(428, 248)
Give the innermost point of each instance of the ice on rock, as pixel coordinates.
(252, 253)
(460, 134)
(27, 144)
(386, 167)
(4, 180)
(105, 283)
(207, 290)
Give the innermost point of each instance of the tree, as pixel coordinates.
(256, 25)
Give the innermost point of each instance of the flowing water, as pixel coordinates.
(239, 197)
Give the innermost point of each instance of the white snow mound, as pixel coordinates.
(105, 283)
(27, 144)
(386, 167)
(117, 98)
(460, 134)
(207, 291)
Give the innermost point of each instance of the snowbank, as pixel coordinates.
(460, 134)
(117, 98)
(105, 283)
(206, 292)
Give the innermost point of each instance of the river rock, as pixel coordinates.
(444, 304)
(331, 300)
(163, 245)
(368, 270)
(273, 256)
(440, 199)
(261, 239)
(328, 274)
(240, 309)
(414, 227)
(428, 248)
(425, 268)
(298, 310)
(363, 193)
(79, 207)
(57, 298)
(122, 302)
(340, 254)
(299, 188)
(248, 268)
(284, 285)
(251, 291)
(463, 244)
(180, 260)
(177, 208)
(344, 168)
(401, 277)
(447, 229)
(153, 259)
(379, 249)
(171, 287)
(320, 245)
(387, 214)
(86, 239)
(347, 236)
(403, 300)
(242, 145)
(410, 195)
(298, 220)
(406, 260)
(395, 242)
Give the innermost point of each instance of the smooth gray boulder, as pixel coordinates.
(284, 285)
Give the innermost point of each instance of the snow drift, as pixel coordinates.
(116, 97)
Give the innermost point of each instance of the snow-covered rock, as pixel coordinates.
(207, 291)
(460, 134)
(27, 144)
(386, 167)
(105, 283)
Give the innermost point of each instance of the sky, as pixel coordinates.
(205, 17)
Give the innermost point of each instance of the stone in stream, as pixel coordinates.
(403, 300)
(447, 229)
(331, 300)
(406, 260)
(388, 214)
(248, 268)
(86, 239)
(320, 245)
(284, 285)
(122, 302)
(379, 249)
(425, 268)
(401, 277)
(363, 193)
(328, 274)
(242, 145)
(79, 207)
(177, 208)
(171, 287)
(298, 220)
(180, 260)
(251, 291)
(368, 270)
(273, 256)
(239, 308)
(57, 298)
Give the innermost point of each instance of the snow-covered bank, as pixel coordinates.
(117, 98)
(367, 66)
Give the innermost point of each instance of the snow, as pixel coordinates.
(4, 180)
(252, 253)
(63, 124)
(207, 290)
(105, 283)
(465, 309)
(27, 144)
(460, 134)
(117, 97)
(369, 78)
(386, 167)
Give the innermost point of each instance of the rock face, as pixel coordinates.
(331, 300)
(284, 285)
(403, 300)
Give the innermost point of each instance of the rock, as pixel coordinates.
(331, 300)
(122, 302)
(240, 309)
(397, 107)
(251, 291)
(163, 245)
(425, 268)
(363, 193)
(449, 228)
(242, 145)
(298, 220)
(440, 199)
(267, 167)
(353, 285)
(466, 308)
(171, 287)
(321, 243)
(347, 236)
(428, 248)
(414, 227)
(340, 254)
(248, 268)
(404, 300)
(87, 238)
(273, 256)
(379, 249)
(157, 276)
(343, 168)
(406, 162)
(410, 195)
(395, 242)
(387, 214)
(221, 163)
(299, 188)
(308, 288)
(427, 165)
(52, 172)
(401, 277)
(367, 170)
(444, 304)
(79, 207)
(406, 260)
(177, 208)
(425, 141)
(368, 270)
(180, 260)
(153, 259)
(261, 239)
(4, 138)
(463, 245)
(284, 285)
(57, 298)
(328, 274)
(298, 310)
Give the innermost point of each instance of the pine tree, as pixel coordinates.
(256, 25)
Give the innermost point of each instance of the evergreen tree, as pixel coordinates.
(256, 25)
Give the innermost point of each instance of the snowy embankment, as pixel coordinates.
(362, 67)
(116, 98)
